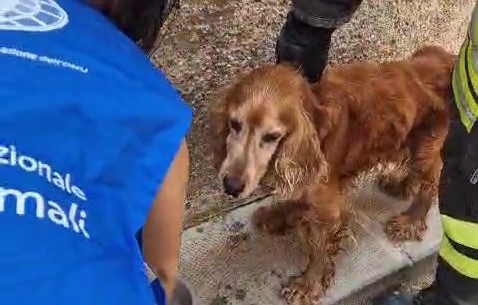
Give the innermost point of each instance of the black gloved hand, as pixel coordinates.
(304, 46)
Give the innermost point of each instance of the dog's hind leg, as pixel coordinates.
(411, 224)
(424, 174)
(398, 183)
(321, 232)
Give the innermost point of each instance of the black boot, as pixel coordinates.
(424, 297)
(304, 46)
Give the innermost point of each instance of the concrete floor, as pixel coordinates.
(227, 262)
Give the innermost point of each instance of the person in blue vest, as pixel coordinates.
(92, 149)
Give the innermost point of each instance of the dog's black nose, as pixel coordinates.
(233, 186)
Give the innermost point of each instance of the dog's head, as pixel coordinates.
(262, 124)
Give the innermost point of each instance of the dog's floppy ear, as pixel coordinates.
(218, 118)
(300, 161)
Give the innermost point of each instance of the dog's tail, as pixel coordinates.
(434, 66)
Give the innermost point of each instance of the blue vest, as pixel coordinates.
(88, 130)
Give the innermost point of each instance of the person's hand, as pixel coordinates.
(163, 229)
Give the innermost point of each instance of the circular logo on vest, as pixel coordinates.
(31, 15)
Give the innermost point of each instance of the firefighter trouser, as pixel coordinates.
(457, 274)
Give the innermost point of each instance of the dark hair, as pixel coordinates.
(140, 20)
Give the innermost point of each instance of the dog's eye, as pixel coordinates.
(235, 125)
(271, 137)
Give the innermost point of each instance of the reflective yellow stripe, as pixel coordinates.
(462, 83)
(471, 103)
(466, 118)
(462, 232)
(463, 97)
(461, 263)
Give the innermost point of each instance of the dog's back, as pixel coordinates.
(433, 66)
(381, 105)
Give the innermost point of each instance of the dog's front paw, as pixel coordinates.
(403, 228)
(298, 292)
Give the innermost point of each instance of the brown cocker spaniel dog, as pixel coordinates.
(311, 141)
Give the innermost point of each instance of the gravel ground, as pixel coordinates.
(207, 43)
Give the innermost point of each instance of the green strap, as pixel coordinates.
(465, 102)
(465, 76)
